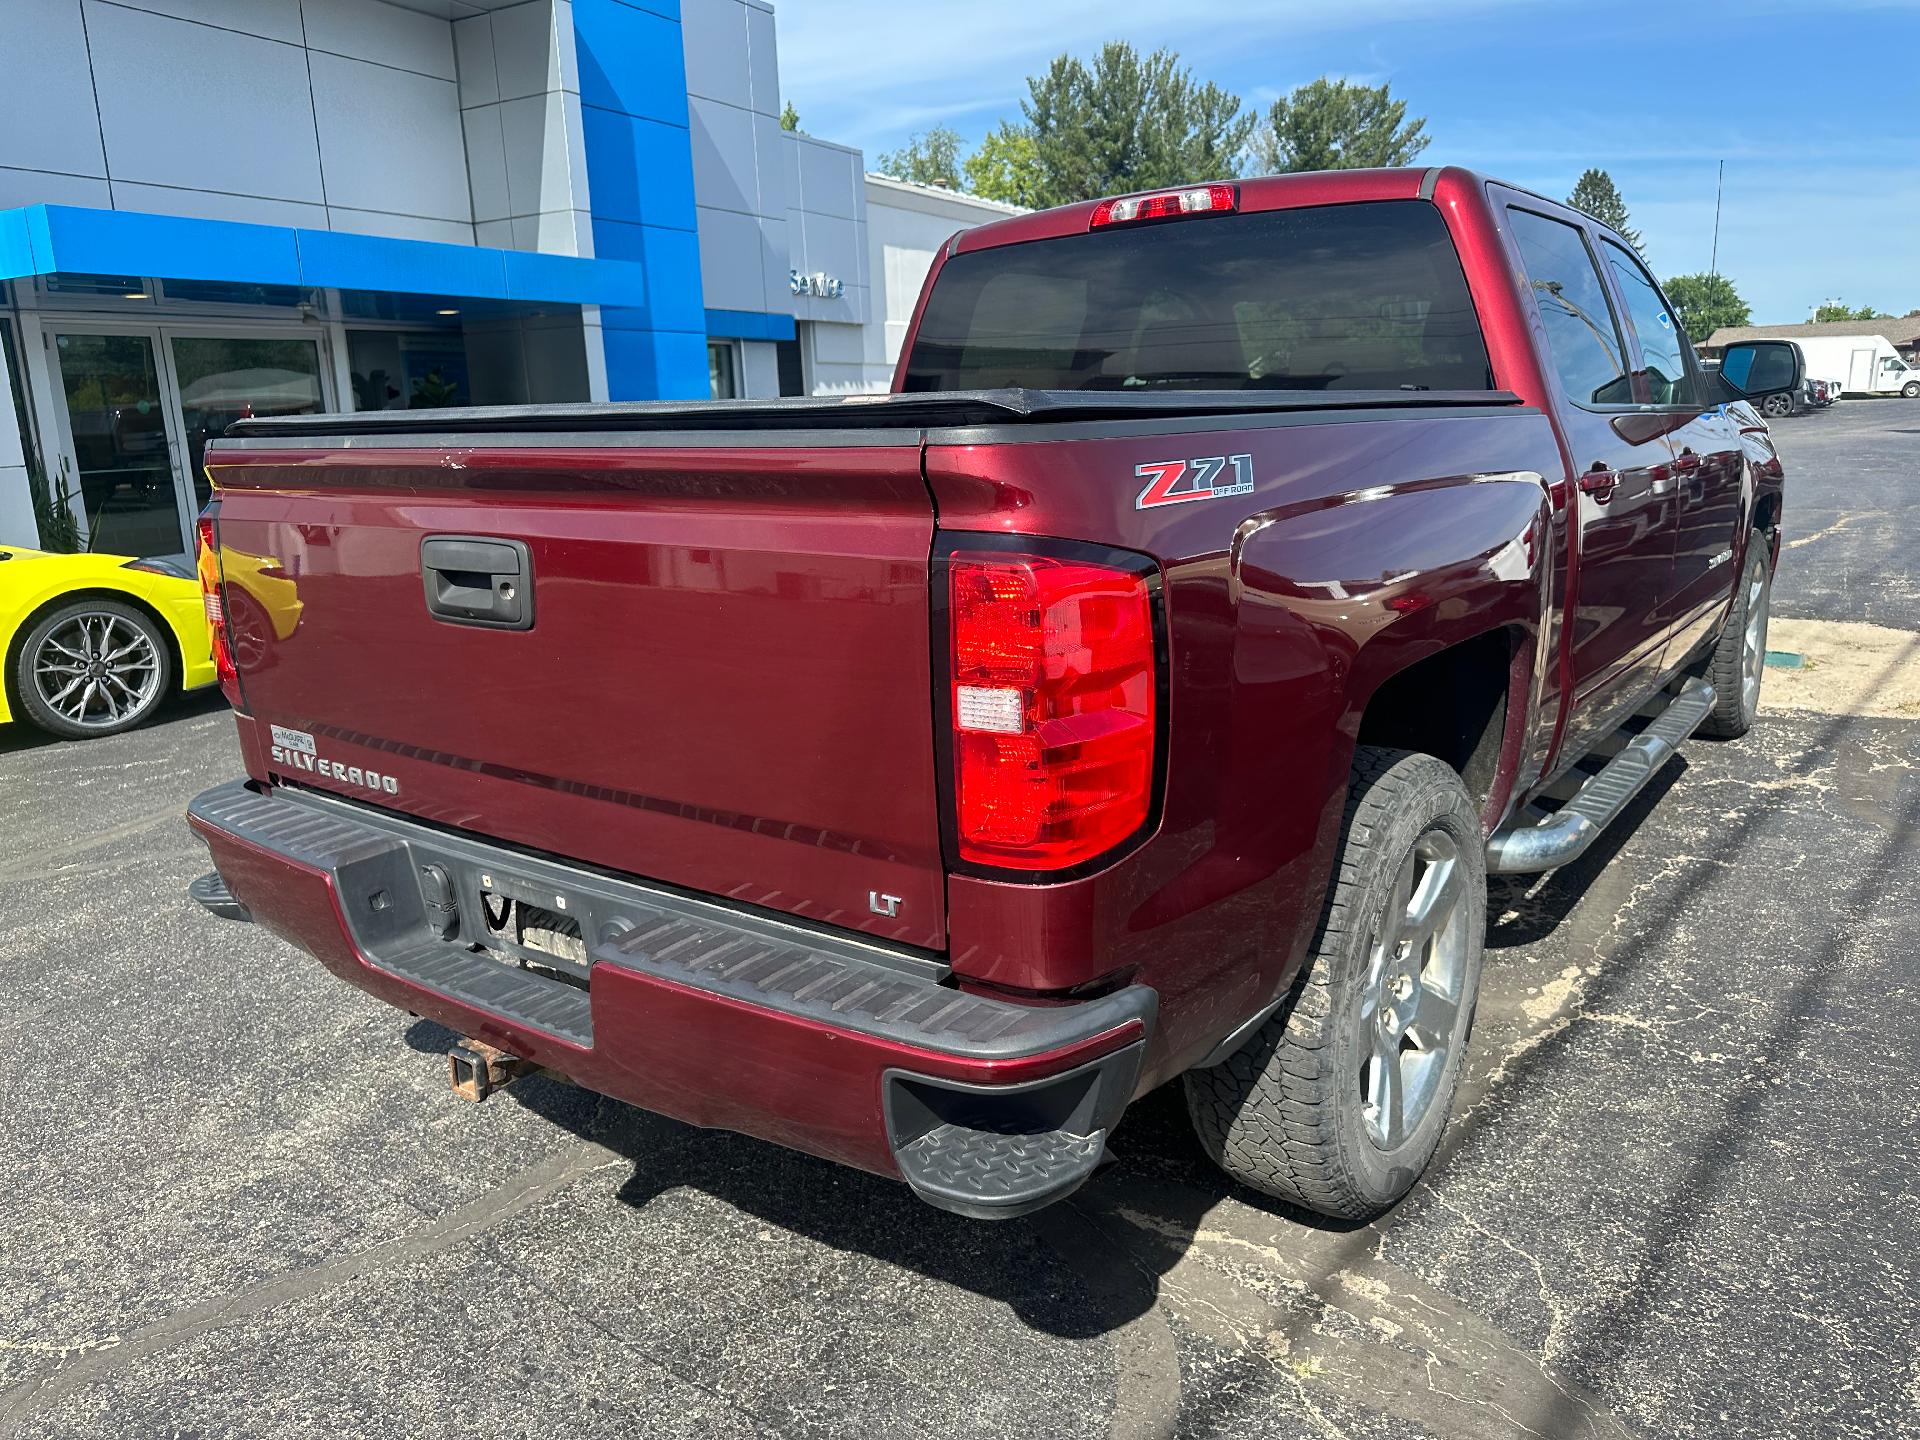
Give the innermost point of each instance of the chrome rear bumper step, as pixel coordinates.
(1532, 843)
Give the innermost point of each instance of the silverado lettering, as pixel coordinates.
(916, 780)
(288, 759)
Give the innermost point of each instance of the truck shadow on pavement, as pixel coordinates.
(1094, 1265)
(1158, 1178)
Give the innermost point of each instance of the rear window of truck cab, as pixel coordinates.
(1334, 297)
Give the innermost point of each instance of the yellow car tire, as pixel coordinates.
(93, 667)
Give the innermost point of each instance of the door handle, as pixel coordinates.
(478, 580)
(1686, 460)
(1600, 483)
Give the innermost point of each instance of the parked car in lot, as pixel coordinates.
(1145, 689)
(94, 643)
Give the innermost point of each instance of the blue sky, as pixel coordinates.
(1815, 107)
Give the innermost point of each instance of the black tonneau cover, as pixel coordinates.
(927, 410)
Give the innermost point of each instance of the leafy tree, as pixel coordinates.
(929, 159)
(1337, 125)
(1596, 195)
(789, 117)
(1707, 303)
(1005, 167)
(1837, 310)
(1123, 122)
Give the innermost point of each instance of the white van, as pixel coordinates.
(1866, 364)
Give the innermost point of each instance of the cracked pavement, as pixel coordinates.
(1678, 1197)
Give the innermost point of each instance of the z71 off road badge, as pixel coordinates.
(1174, 482)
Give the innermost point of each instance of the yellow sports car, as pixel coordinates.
(94, 643)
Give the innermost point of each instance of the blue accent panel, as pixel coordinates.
(655, 364)
(638, 170)
(51, 239)
(750, 325)
(125, 242)
(419, 267)
(630, 61)
(634, 122)
(670, 262)
(532, 276)
(16, 246)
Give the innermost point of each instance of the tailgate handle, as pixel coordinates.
(477, 580)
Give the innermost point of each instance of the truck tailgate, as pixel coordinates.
(724, 684)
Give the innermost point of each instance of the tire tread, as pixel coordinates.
(1268, 1113)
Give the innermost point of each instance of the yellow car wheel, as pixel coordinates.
(95, 667)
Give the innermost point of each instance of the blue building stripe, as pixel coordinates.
(750, 325)
(56, 239)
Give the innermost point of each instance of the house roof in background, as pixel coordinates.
(1903, 331)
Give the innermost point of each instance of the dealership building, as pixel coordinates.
(211, 209)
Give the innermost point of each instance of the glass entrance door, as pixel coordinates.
(123, 442)
(222, 379)
(141, 406)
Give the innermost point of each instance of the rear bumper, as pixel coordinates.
(714, 1015)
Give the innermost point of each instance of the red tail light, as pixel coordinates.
(1165, 205)
(208, 566)
(1052, 707)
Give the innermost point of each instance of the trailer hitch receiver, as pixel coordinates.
(478, 1070)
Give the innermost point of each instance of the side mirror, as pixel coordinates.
(1754, 369)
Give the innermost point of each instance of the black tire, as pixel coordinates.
(1911, 390)
(1740, 654)
(1287, 1113)
(124, 691)
(1777, 405)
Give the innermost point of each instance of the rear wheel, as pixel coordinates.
(1740, 655)
(95, 667)
(1338, 1102)
(1774, 406)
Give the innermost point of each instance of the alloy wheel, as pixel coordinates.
(97, 670)
(1410, 1003)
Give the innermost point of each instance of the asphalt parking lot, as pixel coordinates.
(1680, 1197)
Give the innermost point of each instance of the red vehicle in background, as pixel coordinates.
(1144, 690)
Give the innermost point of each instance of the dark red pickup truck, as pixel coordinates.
(1144, 689)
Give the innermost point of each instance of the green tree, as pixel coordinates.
(1006, 167)
(1838, 310)
(1337, 125)
(1596, 195)
(789, 117)
(1707, 303)
(1123, 122)
(929, 159)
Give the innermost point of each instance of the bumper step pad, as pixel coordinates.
(988, 1170)
(211, 891)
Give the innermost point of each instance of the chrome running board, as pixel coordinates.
(1532, 841)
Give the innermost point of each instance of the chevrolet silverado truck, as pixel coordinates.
(1145, 689)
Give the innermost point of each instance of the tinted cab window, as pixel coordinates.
(1343, 297)
(1573, 305)
(1662, 344)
